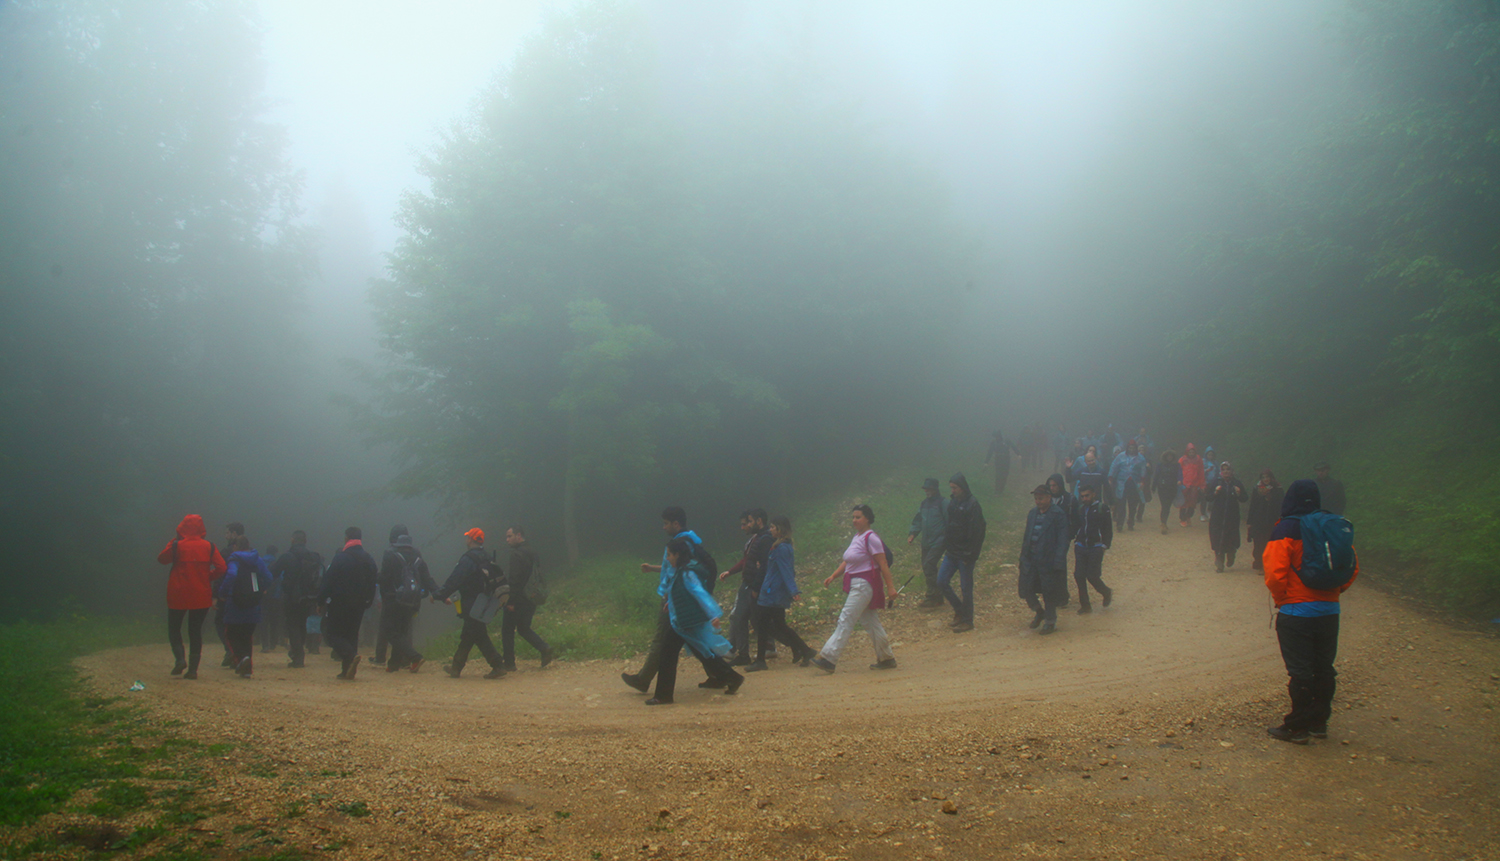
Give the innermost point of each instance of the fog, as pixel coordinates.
(306, 265)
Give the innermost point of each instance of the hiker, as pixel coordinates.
(1126, 474)
(272, 606)
(930, 524)
(471, 578)
(299, 576)
(693, 618)
(1000, 451)
(1145, 445)
(1223, 501)
(1061, 445)
(196, 566)
(404, 581)
(1089, 472)
(1264, 511)
(1329, 488)
(233, 531)
(674, 524)
(348, 591)
(240, 594)
(777, 592)
(527, 592)
(1092, 535)
(962, 541)
(867, 581)
(1042, 571)
(1307, 613)
(752, 570)
(1165, 482)
(1061, 498)
(1109, 441)
(1210, 475)
(1191, 482)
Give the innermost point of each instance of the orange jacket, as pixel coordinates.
(1282, 560)
(195, 562)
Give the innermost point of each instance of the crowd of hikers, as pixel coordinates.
(1298, 535)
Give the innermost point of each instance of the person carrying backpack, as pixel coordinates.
(404, 581)
(196, 564)
(475, 582)
(241, 592)
(299, 573)
(674, 524)
(348, 591)
(866, 571)
(1309, 562)
(528, 590)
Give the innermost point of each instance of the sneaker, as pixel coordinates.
(1203, 518)
(756, 666)
(179, 668)
(1186, 524)
(392, 667)
(1319, 731)
(1048, 627)
(295, 665)
(243, 667)
(228, 661)
(1109, 595)
(963, 627)
(1085, 609)
(713, 684)
(806, 659)
(353, 668)
(887, 664)
(733, 686)
(546, 658)
(1219, 566)
(417, 664)
(931, 603)
(635, 682)
(379, 662)
(654, 701)
(1281, 733)
(1036, 621)
(824, 664)
(452, 671)
(190, 674)
(495, 673)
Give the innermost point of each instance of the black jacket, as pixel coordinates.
(393, 571)
(350, 579)
(1092, 525)
(522, 563)
(288, 569)
(964, 537)
(466, 578)
(757, 553)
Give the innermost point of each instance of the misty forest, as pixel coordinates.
(736, 256)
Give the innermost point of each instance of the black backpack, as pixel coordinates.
(535, 589)
(306, 575)
(408, 591)
(248, 589)
(710, 567)
(494, 584)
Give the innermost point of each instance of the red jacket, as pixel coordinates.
(1192, 471)
(195, 562)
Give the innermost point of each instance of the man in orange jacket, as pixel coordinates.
(1307, 621)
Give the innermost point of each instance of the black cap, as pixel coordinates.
(1042, 489)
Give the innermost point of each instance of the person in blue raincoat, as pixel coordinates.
(1127, 476)
(239, 595)
(694, 621)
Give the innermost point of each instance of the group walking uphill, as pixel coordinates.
(311, 602)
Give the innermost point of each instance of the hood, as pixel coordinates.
(245, 555)
(1057, 477)
(963, 483)
(191, 527)
(689, 535)
(400, 536)
(1301, 498)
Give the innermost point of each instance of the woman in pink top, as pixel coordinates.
(868, 582)
(1193, 482)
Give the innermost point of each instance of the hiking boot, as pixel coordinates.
(1109, 595)
(1281, 733)
(417, 664)
(756, 666)
(495, 673)
(963, 627)
(887, 664)
(178, 669)
(732, 687)
(1048, 627)
(806, 659)
(931, 602)
(1036, 621)
(658, 702)
(190, 674)
(547, 655)
(713, 684)
(1319, 731)
(635, 682)
(1085, 609)
(824, 664)
(228, 661)
(452, 671)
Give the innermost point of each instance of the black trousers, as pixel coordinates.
(1128, 510)
(272, 618)
(740, 618)
(666, 677)
(659, 642)
(475, 634)
(1088, 570)
(241, 637)
(220, 630)
(518, 621)
(296, 630)
(770, 624)
(195, 635)
(396, 623)
(1043, 591)
(1166, 506)
(341, 628)
(1259, 548)
(1309, 645)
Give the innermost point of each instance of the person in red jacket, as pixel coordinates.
(196, 563)
(1193, 482)
(1307, 621)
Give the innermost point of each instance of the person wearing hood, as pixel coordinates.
(465, 584)
(1126, 475)
(404, 581)
(1191, 482)
(930, 524)
(693, 621)
(1042, 569)
(1210, 475)
(240, 593)
(963, 539)
(196, 564)
(299, 575)
(1000, 451)
(348, 591)
(1062, 500)
(674, 524)
(1307, 621)
(1264, 511)
(1224, 497)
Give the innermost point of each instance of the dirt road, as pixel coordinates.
(1137, 732)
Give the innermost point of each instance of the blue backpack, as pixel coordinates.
(1327, 550)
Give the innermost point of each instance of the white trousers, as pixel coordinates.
(857, 610)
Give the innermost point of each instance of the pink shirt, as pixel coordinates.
(860, 564)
